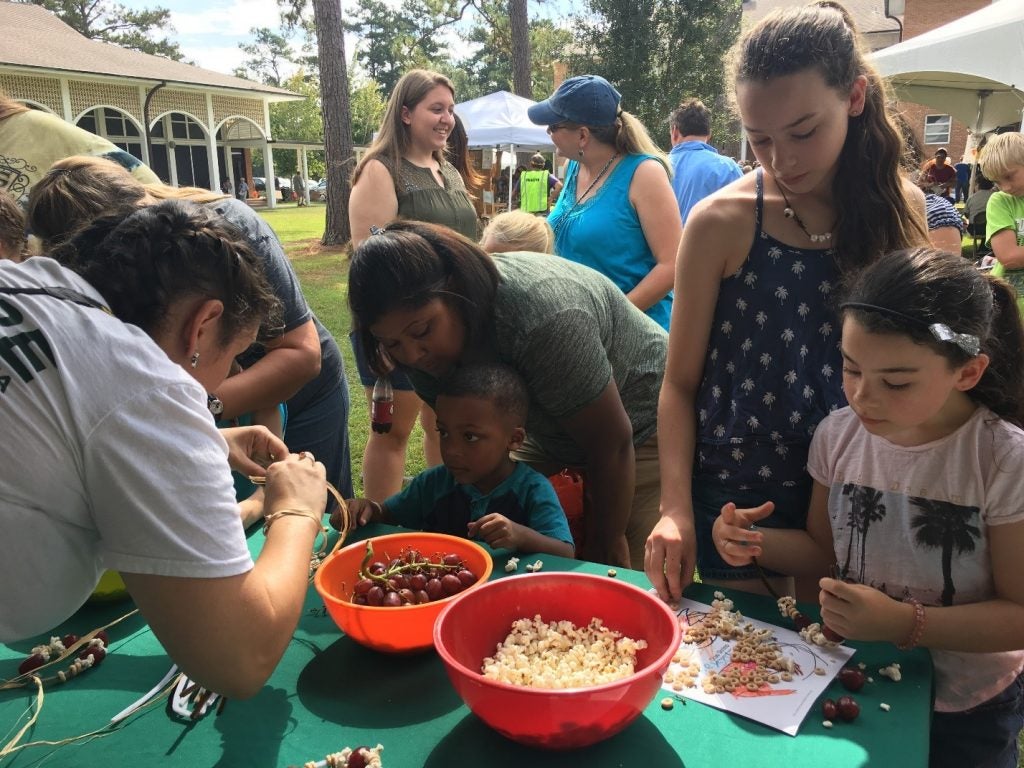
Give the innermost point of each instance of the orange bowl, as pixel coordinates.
(403, 629)
(474, 623)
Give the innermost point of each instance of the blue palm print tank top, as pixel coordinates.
(773, 369)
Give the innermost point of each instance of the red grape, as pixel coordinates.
(422, 596)
(375, 596)
(96, 651)
(377, 568)
(452, 560)
(392, 600)
(848, 708)
(407, 596)
(829, 709)
(356, 759)
(69, 640)
(362, 586)
(851, 678)
(451, 584)
(418, 581)
(467, 578)
(434, 589)
(32, 662)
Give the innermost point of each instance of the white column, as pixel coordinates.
(172, 166)
(65, 98)
(268, 168)
(211, 146)
(268, 158)
(142, 119)
(304, 165)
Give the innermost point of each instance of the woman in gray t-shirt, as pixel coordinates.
(428, 300)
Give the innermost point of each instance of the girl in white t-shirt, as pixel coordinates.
(916, 499)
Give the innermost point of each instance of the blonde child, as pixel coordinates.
(1002, 160)
(917, 493)
(753, 362)
(518, 231)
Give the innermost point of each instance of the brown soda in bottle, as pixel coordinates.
(382, 406)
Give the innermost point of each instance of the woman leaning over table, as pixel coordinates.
(301, 367)
(617, 212)
(124, 468)
(427, 300)
(404, 174)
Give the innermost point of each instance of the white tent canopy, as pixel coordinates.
(972, 68)
(499, 119)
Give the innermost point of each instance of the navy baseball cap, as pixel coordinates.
(584, 100)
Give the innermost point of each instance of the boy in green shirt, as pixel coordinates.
(1002, 161)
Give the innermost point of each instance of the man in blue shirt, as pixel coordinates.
(697, 168)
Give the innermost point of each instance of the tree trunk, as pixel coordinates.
(520, 29)
(334, 103)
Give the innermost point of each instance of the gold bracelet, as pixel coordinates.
(307, 513)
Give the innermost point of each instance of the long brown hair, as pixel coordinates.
(78, 189)
(457, 150)
(874, 214)
(392, 141)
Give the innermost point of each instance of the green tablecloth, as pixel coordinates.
(329, 692)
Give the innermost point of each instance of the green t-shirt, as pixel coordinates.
(30, 142)
(1007, 212)
(568, 331)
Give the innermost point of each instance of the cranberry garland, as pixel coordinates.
(813, 632)
(89, 654)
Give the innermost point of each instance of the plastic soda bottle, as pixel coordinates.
(383, 405)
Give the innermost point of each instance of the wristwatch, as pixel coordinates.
(215, 405)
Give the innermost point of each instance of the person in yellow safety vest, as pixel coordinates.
(536, 186)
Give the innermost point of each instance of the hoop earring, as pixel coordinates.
(194, 360)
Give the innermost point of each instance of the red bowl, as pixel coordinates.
(405, 629)
(472, 625)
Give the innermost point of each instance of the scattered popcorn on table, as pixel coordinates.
(884, 707)
(512, 564)
(862, 666)
(612, 573)
(892, 672)
(827, 723)
(667, 703)
(538, 654)
(536, 566)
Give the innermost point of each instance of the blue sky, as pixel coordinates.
(209, 31)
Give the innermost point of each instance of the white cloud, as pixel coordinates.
(219, 58)
(234, 18)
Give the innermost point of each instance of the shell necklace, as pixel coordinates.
(789, 213)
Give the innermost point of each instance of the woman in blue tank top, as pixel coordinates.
(617, 213)
(754, 361)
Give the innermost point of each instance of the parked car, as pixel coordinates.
(319, 190)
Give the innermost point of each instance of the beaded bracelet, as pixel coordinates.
(269, 519)
(914, 637)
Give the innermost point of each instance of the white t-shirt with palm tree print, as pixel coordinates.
(916, 522)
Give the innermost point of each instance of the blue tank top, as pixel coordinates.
(773, 368)
(603, 232)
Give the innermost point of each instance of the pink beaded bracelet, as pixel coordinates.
(914, 637)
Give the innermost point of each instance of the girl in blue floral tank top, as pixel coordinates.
(754, 362)
(757, 410)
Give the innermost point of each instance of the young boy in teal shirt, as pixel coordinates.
(479, 491)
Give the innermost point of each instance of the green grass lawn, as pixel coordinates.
(323, 273)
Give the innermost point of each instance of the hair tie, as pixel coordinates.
(967, 342)
(58, 172)
(375, 230)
